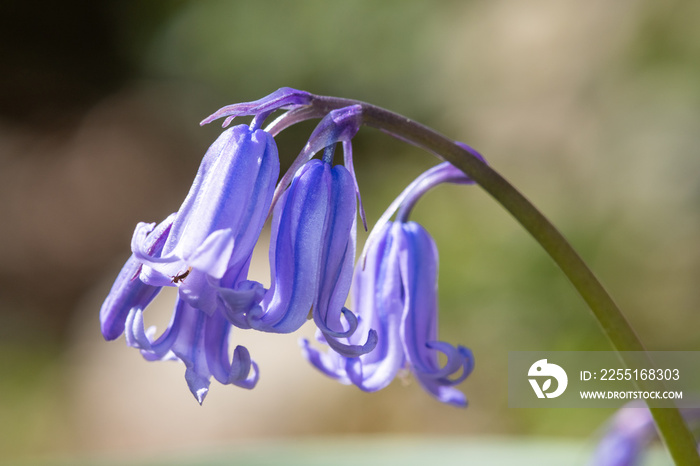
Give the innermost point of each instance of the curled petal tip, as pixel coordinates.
(469, 361)
(353, 351)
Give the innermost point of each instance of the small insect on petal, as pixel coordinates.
(180, 277)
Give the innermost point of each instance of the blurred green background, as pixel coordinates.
(590, 108)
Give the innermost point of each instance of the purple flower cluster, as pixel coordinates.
(205, 249)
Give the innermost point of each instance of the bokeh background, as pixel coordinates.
(590, 108)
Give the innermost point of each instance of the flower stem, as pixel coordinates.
(672, 428)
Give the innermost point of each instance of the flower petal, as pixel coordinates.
(329, 363)
(200, 291)
(377, 298)
(419, 326)
(240, 301)
(213, 254)
(295, 250)
(338, 255)
(152, 350)
(227, 371)
(281, 98)
(128, 291)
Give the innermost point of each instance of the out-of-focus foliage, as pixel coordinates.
(379, 51)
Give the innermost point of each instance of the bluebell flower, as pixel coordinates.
(214, 231)
(202, 249)
(312, 249)
(395, 294)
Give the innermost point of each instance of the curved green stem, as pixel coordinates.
(671, 426)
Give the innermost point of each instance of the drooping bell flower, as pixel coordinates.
(312, 255)
(203, 248)
(395, 293)
(215, 230)
(312, 248)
